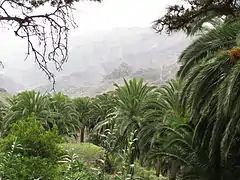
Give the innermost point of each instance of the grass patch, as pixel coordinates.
(88, 153)
(145, 174)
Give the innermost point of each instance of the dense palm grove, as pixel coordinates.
(187, 128)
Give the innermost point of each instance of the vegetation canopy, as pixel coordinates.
(190, 15)
(187, 128)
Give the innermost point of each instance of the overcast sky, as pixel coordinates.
(91, 17)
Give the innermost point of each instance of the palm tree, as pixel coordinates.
(103, 108)
(4, 106)
(3, 112)
(210, 68)
(63, 114)
(131, 101)
(82, 106)
(176, 147)
(26, 103)
(103, 105)
(163, 110)
(208, 45)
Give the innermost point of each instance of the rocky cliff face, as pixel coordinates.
(154, 76)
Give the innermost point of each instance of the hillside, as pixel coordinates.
(9, 84)
(155, 76)
(94, 57)
(95, 60)
(4, 95)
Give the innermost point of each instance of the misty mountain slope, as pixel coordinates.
(10, 85)
(139, 47)
(153, 76)
(4, 95)
(97, 56)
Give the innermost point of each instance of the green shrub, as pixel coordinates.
(34, 139)
(27, 168)
(31, 152)
(77, 171)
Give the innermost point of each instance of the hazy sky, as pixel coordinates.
(119, 13)
(90, 17)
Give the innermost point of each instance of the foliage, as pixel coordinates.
(86, 152)
(51, 110)
(27, 103)
(144, 174)
(30, 152)
(181, 129)
(3, 111)
(63, 114)
(82, 106)
(191, 15)
(210, 69)
(75, 169)
(132, 100)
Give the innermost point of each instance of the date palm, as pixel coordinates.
(63, 114)
(3, 112)
(210, 67)
(131, 102)
(82, 106)
(26, 103)
(103, 108)
(4, 106)
(132, 99)
(164, 110)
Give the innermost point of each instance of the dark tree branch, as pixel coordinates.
(182, 17)
(50, 29)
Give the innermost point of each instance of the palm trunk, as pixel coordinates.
(174, 170)
(141, 159)
(216, 163)
(149, 164)
(82, 134)
(131, 165)
(158, 167)
(86, 133)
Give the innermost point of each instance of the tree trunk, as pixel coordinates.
(86, 131)
(216, 163)
(149, 164)
(82, 134)
(158, 167)
(174, 170)
(141, 161)
(77, 135)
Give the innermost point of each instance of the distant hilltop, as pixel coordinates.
(96, 60)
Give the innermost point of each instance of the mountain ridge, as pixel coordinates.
(94, 56)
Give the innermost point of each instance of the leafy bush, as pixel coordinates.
(34, 139)
(30, 152)
(75, 169)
